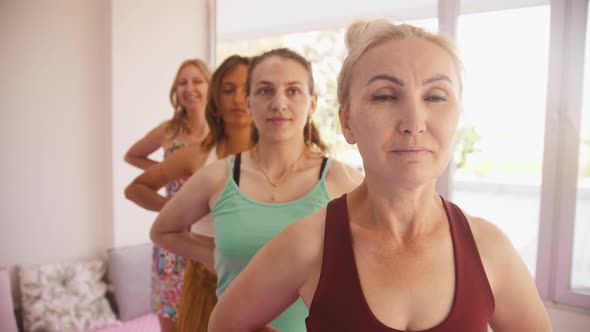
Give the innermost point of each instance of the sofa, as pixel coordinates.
(100, 295)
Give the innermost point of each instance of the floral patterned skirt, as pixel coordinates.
(167, 276)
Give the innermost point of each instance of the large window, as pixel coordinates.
(498, 159)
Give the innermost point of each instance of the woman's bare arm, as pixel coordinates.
(342, 179)
(182, 163)
(189, 205)
(138, 154)
(272, 280)
(518, 306)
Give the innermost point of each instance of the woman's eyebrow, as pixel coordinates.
(397, 81)
(386, 77)
(435, 78)
(294, 82)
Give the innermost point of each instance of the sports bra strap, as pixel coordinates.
(324, 161)
(237, 163)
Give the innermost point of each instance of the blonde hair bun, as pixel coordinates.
(360, 28)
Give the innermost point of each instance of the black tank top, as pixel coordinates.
(339, 303)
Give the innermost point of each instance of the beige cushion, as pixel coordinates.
(65, 297)
(130, 273)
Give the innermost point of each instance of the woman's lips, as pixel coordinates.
(412, 153)
(278, 120)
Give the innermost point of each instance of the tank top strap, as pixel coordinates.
(237, 164)
(175, 144)
(338, 271)
(337, 237)
(470, 272)
(324, 167)
(174, 141)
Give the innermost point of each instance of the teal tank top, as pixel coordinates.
(243, 226)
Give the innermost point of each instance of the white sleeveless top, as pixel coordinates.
(205, 226)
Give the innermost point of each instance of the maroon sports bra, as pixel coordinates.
(339, 303)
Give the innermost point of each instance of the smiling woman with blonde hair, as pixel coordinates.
(187, 126)
(392, 255)
(188, 98)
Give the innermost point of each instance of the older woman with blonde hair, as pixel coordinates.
(392, 255)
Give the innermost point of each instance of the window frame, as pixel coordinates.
(560, 166)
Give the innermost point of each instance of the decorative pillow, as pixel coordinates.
(7, 320)
(65, 297)
(130, 274)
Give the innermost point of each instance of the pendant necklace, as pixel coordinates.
(274, 184)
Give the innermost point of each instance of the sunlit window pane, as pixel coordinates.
(499, 150)
(580, 279)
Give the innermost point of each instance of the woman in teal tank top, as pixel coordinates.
(255, 195)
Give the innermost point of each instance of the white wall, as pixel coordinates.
(54, 131)
(81, 81)
(149, 42)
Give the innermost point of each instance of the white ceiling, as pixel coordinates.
(239, 19)
(248, 19)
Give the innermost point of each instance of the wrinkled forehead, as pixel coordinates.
(276, 69)
(412, 59)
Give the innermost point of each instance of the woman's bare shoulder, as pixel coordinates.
(486, 232)
(518, 306)
(215, 170)
(342, 178)
(302, 241)
(164, 131)
(494, 247)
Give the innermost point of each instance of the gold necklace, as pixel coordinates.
(273, 184)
